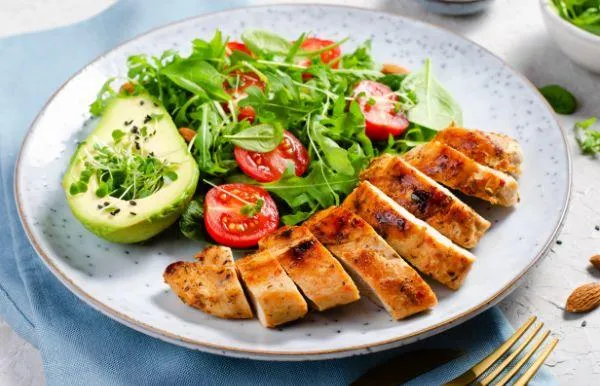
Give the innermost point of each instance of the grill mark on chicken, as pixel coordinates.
(301, 250)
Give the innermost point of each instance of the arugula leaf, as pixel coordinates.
(320, 188)
(588, 138)
(261, 138)
(335, 156)
(435, 108)
(561, 100)
(198, 77)
(105, 94)
(266, 43)
(191, 222)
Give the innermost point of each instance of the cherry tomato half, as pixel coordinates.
(237, 46)
(315, 44)
(225, 222)
(241, 81)
(378, 104)
(267, 167)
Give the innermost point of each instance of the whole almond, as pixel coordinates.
(595, 260)
(584, 298)
(187, 134)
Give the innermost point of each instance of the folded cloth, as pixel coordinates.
(80, 345)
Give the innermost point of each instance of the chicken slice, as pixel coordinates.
(426, 199)
(274, 295)
(381, 274)
(498, 151)
(212, 288)
(309, 264)
(416, 241)
(457, 171)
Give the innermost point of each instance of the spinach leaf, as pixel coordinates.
(261, 138)
(334, 155)
(435, 108)
(191, 222)
(264, 43)
(588, 138)
(393, 81)
(198, 77)
(561, 100)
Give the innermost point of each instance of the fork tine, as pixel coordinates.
(490, 377)
(525, 378)
(511, 373)
(481, 367)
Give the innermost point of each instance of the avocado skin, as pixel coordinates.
(148, 224)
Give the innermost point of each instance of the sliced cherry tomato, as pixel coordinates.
(378, 104)
(315, 44)
(241, 81)
(237, 46)
(267, 167)
(225, 222)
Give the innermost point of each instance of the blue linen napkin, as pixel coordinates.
(80, 345)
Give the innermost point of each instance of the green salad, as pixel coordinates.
(281, 128)
(585, 14)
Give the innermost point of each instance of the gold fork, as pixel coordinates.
(482, 367)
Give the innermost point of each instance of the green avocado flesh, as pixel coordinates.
(130, 221)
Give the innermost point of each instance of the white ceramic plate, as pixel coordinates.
(125, 282)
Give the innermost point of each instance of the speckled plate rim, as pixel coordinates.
(295, 355)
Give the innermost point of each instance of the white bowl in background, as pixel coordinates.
(581, 46)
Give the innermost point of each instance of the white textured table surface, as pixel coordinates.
(513, 30)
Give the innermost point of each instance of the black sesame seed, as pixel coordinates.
(141, 103)
(115, 212)
(155, 104)
(133, 213)
(100, 207)
(133, 203)
(137, 145)
(597, 227)
(558, 242)
(134, 129)
(147, 119)
(106, 203)
(583, 324)
(127, 123)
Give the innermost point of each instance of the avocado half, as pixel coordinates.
(140, 219)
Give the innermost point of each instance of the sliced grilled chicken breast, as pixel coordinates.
(216, 256)
(309, 264)
(273, 294)
(498, 151)
(426, 199)
(457, 171)
(382, 275)
(416, 241)
(211, 287)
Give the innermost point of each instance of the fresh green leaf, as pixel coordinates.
(198, 77)
(585, 14)
(117, 135)
(105, 95)
(561, 100)
(435, 108)
(191, 222)
(588, 138)
(260, 138)
(393, 81)
(252, 210)
(264, 43)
